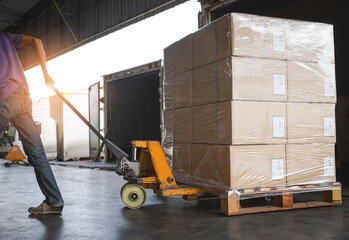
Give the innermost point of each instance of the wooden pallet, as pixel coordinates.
(283, 198)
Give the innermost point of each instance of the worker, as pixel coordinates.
(16, 107)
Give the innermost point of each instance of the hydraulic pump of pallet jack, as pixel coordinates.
(128, 168)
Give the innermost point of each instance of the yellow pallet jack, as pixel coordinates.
(15, 155)
(150, 171)
(147, 170)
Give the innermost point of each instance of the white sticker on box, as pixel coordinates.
(328, 167)
(329, 126)
(279, 41)
(279, 84)
(277, 169)
(329, 87)
(278, 127)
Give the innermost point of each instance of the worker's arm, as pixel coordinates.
(36, 44)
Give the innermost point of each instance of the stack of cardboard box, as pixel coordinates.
(250, 102)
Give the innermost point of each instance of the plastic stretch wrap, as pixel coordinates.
(311, 82)
(263, 37)
(251, 79)
(238, 122)
(249, 102)
(311, 123)
(254, 166)
(168, 134)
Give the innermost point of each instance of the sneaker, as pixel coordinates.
(45, 209)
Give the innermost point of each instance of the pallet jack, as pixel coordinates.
(15, 155)
(147, 170)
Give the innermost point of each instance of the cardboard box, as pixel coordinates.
(177, 91)
(178, 57)
(255, 123)
(238, 34)
(257, 166)
(258, 36)
(311, 123)
(310, 41)
(203, 123)
(168, 150)
(240, 78)
(311, 82)
(182, 125)
(238, 167)
(241, 34)
(169, 92)
(239, 122)
(169, 64)
(181, 159)
(183, 55)
(310, 163)
(182, 90)
(204, 168)
(204, 46)
(204, 84)
(168, 133)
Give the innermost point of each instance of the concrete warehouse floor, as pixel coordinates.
(94, 210)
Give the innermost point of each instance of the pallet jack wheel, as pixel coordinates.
(133, 195)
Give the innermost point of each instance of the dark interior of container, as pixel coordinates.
(327, 11)
(134, 108)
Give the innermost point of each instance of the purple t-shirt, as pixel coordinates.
(11, 71)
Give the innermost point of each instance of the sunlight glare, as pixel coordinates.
(135, 45)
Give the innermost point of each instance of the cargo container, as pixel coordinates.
(133, 103)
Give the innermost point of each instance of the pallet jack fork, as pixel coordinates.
(15, 155)
(154, 173)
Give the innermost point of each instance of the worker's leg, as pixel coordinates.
(44, 176)
(5, 114)
(34, 149)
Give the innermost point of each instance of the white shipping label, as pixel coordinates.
(278, 127)
(277, 169)
(279, 41)
(279, 84)
(328, 167)
(329, 126)
(329, 87)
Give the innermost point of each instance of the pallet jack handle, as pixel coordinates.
(119, 154)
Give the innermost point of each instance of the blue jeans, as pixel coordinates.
(17, 109)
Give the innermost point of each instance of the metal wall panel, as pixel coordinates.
(87, 20)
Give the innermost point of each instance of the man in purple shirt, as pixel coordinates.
(16, 107)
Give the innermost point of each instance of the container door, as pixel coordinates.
(94, 118)
(132, 104)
